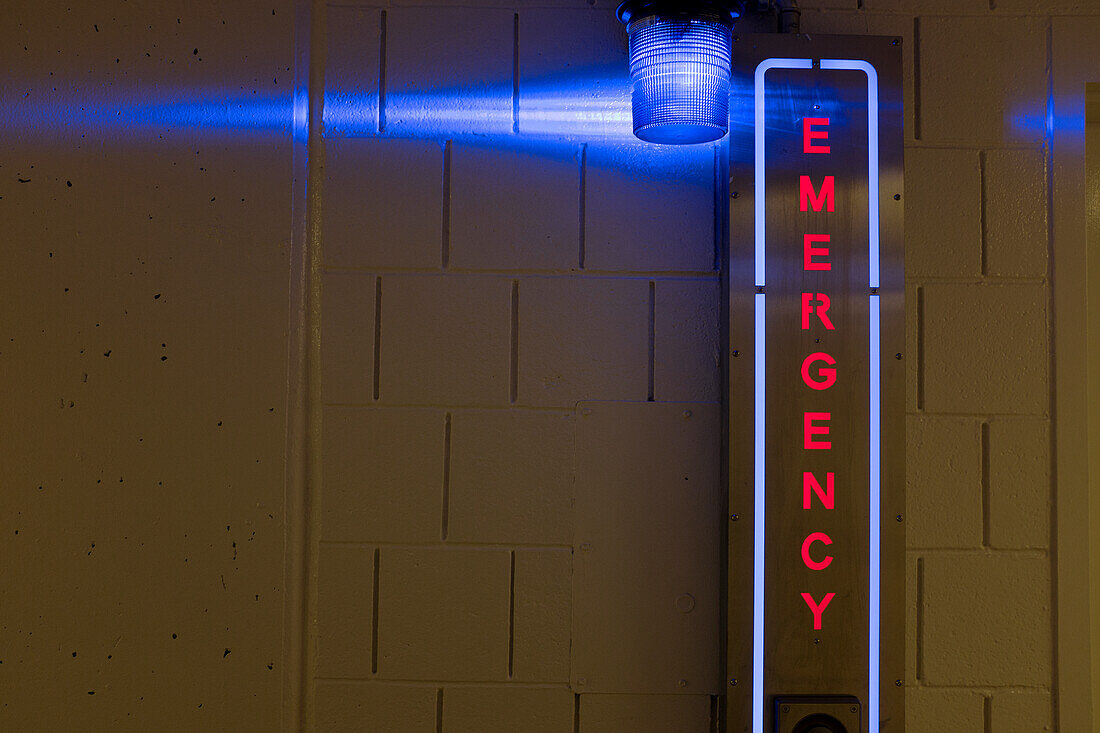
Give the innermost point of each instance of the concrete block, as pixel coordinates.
(443, 614)
(987, 620)
(649, 208)
(1018, 711)
(345, 611)
(646, 471)
(686, 350)
(943, 235)
(583, 338)
(572, 78)
(481, 709)
(448, 70)
(347, 337)
(645, 713)
(985, 348)
(983, 80)
(352, 71)
(937, 711)
(353, 708)
(445, 339)
(1019, 484)
(1016, 213)
(515, 208)
(542, 617)
(511, 477)
(383, 204)
(383, 475)
(943, 487)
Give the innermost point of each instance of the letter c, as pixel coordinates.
(812, 538)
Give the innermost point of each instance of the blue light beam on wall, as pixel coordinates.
(680, 69)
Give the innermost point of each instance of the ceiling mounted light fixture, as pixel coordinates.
(680, 67)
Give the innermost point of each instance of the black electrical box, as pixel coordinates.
(817, 714)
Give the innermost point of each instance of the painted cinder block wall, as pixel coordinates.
(980, 592)
(479, 290)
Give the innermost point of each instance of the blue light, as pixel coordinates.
(680, 69)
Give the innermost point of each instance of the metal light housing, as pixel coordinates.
(680, 68)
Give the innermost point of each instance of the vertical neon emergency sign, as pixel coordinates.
(817, 568)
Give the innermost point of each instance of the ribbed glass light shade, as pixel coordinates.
(680, 68)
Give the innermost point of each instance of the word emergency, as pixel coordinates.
(819, 368)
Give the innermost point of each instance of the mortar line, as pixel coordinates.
(1055, 691)
(982, 212)
(652, 336)
(406, 682)
(920, 619)
(583, 185)
(377, 338)
(513, 375)
(986, 507)
(987, 701)
(515, 73)
(382, 75)
(448, 152)
(916, 79)
(445, 503)
(374, 612)
(439, 710)
(511, 614)
(590, 274)
(576, 712)
(920, 348)
(450, 543)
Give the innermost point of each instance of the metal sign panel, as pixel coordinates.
(816, 589)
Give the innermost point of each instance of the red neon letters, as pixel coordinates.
(810, 562)
(817, 608)
(818, 371)
(821, 310)
(808, 198)
(809, 134)
(809, 251)
(810, 483)
(826, 375)
(809, 430)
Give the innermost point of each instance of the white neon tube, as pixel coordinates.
(760, 194)
(875, 428)
(875, 497)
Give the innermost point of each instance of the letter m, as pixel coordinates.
(810, 198)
